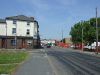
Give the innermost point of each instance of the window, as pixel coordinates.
(13, 42)
(28, 23)
(35, 35)
(13, 30)
(28, 32)
(35, 32)
(14, 21)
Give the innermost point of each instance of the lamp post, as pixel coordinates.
(15, 34)
(62, 35)
(96, 33)
(15, 41)
(82, 34)
(6, 35)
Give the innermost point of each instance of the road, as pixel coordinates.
(58, 61)
(75, 63)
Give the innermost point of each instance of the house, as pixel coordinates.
(19, 32)
(68, 40)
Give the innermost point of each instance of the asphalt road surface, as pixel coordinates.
(74, 63)
(58, 61)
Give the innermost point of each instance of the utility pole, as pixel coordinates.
(96, 32)
(82, 34)
(16, 36)
(6, 35)
(15, 41)
(62, 35)
(81, 23)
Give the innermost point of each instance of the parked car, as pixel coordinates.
(48, 46)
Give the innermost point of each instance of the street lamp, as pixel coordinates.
(6, 35)
(96, 33)
(82, 34)
(62, 35)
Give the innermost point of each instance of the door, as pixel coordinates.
(3, 43)
(23, 43)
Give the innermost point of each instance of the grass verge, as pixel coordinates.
(10, 59)
(7, 69)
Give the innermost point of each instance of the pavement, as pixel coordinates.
(37, 64)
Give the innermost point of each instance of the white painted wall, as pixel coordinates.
(9, 27)
(35, 30)
(3, 29)
(21, 28)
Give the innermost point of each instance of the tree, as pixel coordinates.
(75, 33)
(89, 31)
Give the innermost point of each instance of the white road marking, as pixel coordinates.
(51, 64)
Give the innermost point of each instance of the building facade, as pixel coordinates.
(19, 32)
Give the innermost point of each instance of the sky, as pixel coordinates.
(53, 16)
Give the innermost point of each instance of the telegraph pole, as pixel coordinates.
(96, 32)
(82, 34)
(62, 35)
(16, 37)
(81, 23)
(6, 35)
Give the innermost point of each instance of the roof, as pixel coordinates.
(21, 18)
(2, 21)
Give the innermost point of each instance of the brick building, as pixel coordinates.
(19, 32)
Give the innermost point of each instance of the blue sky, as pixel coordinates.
(53, 15)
